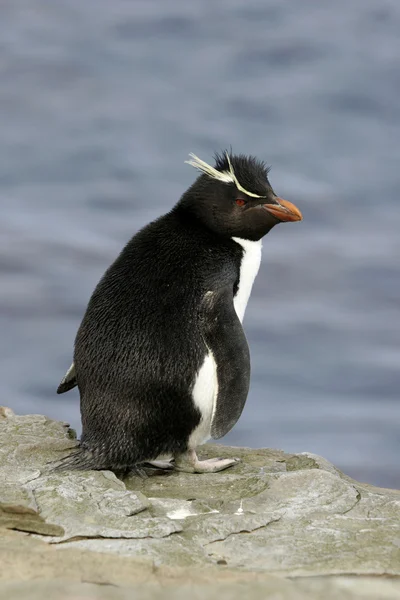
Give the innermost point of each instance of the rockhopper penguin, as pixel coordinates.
(161, 360)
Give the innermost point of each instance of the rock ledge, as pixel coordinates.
(291, 526)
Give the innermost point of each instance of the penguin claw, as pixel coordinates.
(236, 460)
(134, 471)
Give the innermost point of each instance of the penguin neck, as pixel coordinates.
(187, 216)
(190, 219)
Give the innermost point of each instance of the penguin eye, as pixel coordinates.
(240, 202)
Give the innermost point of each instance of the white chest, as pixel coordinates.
(204, 396)
(248, 270)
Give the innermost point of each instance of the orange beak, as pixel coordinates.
(284, 210)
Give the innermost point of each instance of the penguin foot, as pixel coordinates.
(189, 463)
(165, 465)
(134, 471)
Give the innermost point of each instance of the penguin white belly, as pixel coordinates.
(205, 389)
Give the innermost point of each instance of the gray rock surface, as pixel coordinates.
(291, 526)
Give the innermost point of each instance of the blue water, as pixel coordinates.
(100, 103)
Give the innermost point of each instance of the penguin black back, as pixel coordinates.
(150, 295)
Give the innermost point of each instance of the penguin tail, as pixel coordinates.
(80, 459)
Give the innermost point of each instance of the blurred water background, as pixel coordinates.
(102, 100)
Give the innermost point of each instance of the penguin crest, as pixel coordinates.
(225, 173)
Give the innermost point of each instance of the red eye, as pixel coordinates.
(240, 202)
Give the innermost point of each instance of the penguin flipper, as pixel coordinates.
(68, 381)
(224, 336)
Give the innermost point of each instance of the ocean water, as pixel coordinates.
(100, 104)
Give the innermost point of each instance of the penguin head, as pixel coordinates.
(235, 198)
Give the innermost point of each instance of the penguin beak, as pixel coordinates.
(284, 210)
